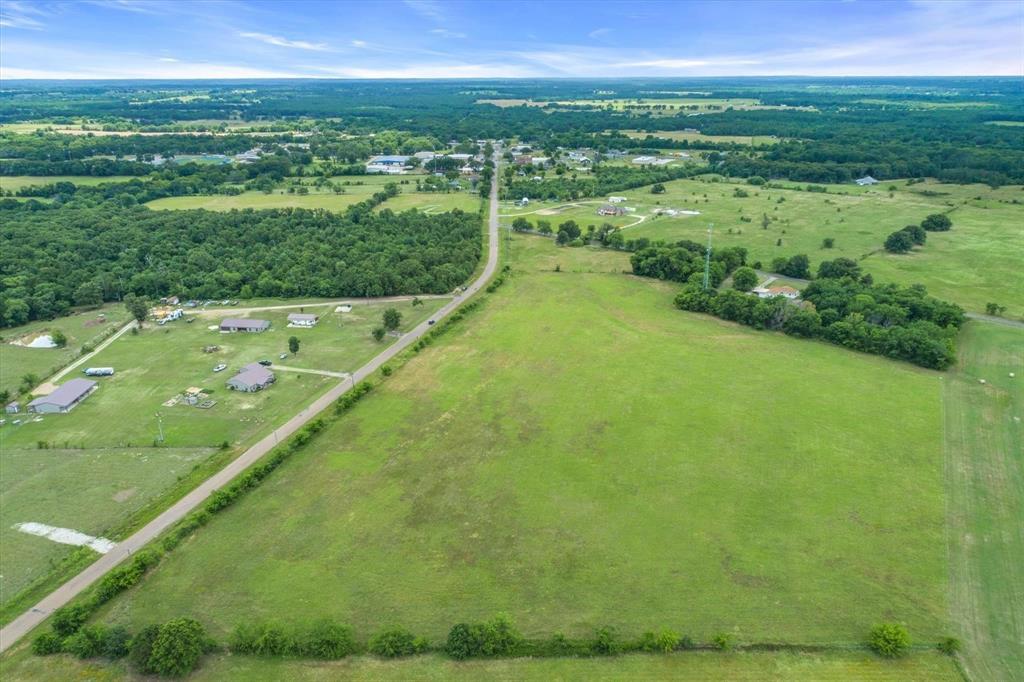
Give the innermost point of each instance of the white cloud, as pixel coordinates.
(285, 42)
(14, 14)
(359, 43)
(599, 32)
(170, 60)
(426, 8)
(445, 33)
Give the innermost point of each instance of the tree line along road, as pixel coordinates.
(28, 620)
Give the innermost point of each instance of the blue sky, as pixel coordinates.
(481, 39)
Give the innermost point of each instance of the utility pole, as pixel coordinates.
(707, 259)
(160, 426)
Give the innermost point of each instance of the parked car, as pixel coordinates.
(282, 356)
(220, 368)
(430, 321)
(266, 363)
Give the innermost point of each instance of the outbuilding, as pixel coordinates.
(13, 407)
(234, 324)
(64, 398)
(866, 180)
(610, 210)
(251, 378)
(302, 320)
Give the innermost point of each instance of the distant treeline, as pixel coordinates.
(83, 254)
(604, 179)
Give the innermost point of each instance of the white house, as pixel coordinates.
(866, 180)
(771, 292)
(302, 320)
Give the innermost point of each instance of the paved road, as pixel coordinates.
(24, 623)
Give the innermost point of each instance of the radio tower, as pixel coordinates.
(707, 259)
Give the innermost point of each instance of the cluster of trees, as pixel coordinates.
(848, 310)
(604, 179)
(683, 261)
(172, 649)
(902, 241)
(57, 258)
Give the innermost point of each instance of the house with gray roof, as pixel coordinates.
(302, 320)
(234, 324)
(64, 398)
(251, 378)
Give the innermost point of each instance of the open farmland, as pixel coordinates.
(84, 328)
(580, 453)
(678, 135)
(12, 183)
(977, 262)
(985, 483)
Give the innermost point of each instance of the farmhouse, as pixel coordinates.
(608, 209)
(233, 324)
(302, 320)
(64, 398)
(866, 180)
(251, 378)
(392, 165)
(770, 292)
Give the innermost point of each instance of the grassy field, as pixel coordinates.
(161, 362)
(354, 193)
(985, 483)
(81, 329)
(977, 262)
(657, 106)
(91, 491)
(13, 183)
(756, 140)
(583, 454)
(734, 667)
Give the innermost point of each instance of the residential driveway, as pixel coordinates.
(27, 621)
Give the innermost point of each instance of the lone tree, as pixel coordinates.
(137, 307)
(899, 242)
(937, 222)
(392, 319)
(293, 345)
(658, 188)
(177, 648)
(744, 279)
(889, 639)
(520, 225)
(378, 334)
(59, 338)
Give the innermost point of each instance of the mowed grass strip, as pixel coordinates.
(985, 480)
(733, 667)
(90, 491)
(579, 454)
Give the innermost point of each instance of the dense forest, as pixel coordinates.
(55, 258)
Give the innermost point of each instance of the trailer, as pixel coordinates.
(99, 371)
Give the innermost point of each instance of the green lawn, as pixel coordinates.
(735, 667)
(579, 453)
(977, 262)
(80, 328)
(92, 491)
(161, 362)
(985, 483)
(13, 183)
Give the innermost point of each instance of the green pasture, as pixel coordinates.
(922, 666)
(985, 484)
(977, 262)
(579, 453)
(162, 361)
(82, 328)
(13, 183)
(433, 202)
(755, 140)
(91, 491)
